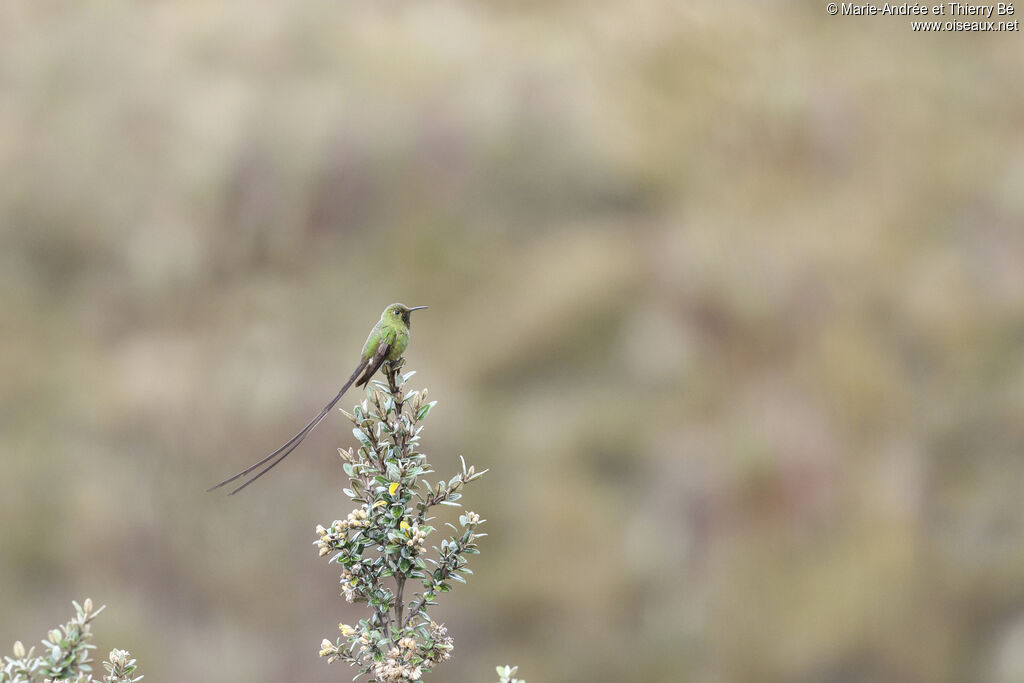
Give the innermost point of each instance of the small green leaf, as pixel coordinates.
(425, 410)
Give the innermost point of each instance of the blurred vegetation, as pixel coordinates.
(727, 296)
(66, 655)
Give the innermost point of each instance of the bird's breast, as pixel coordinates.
(399, 344)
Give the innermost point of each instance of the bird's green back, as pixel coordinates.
(393, 329)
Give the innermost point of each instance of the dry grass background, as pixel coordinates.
(729, 296)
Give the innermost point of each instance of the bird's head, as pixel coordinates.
(400, 313)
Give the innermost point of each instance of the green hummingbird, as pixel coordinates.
(387, 342)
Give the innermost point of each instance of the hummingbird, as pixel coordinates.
(387, 342)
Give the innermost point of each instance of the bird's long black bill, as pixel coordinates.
(292, 443)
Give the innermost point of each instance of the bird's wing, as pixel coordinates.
(379, 356)
(292, 443)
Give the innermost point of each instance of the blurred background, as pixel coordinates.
(728, 296)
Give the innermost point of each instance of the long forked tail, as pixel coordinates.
(292, 443)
